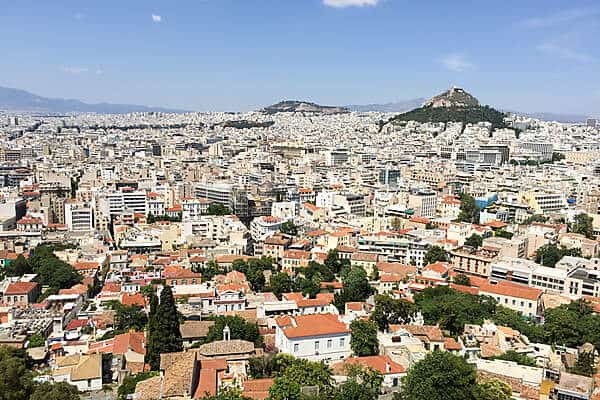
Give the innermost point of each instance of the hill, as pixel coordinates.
(303, 107)
(453, 97)
(22, 101)
(454, 105)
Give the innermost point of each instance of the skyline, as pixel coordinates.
(231, 55)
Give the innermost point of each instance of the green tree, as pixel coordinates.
(239, 329)
(301, 373)
(16, 381)
(389, 311)
(19, 267)
(129, 383)
(218, 209)
(164, 329)
(535, 218)
(585, 365)
(462, 279)
(469, 212)
(269, 365)
(280, 283)
(567, 324)
(512, 319)
(452, 309)
(440, 376)
(36, 340)
(519, 358)
(435, 254)
(503, 234)
(583, 224)
(289, 228)
(475, 241)
(52, 271)
(356, 287)
(362, 384)
(210, 270)
(334, 262)
(493, 389)
(364, 338)
(55, 391)
(550, 254)
(129, 317)
(227, 393)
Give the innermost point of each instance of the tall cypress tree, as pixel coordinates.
(164, 334)
(152, 355)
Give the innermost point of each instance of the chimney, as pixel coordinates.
(226, 333)
(388, 367)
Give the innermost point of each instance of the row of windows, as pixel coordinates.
(329, 344)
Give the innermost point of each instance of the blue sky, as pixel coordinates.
(530, 55)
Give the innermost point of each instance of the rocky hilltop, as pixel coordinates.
(454, 105)
(303, 107)
(453, 97)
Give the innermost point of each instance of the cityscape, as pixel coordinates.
(432, 247)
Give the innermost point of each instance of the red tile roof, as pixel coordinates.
(311, 325)
(382, 364)
(18, 288)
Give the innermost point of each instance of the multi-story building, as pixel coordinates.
(316, 337)
(79, 217)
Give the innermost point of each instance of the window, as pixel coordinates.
(296, 347)
(342, 340)
(317, 345)
(329, 343)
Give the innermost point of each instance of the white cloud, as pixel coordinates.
(457, 62)
(156, 18)
(74, 70)
(564, 52)
(561, 17)
(350, 3)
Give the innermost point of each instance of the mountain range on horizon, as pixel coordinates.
(18, 100)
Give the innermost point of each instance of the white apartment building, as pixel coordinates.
(126, 199)
(315, 337)
(403, 249)
(544, 202)
(193, 208)
(79, 217)
(424, 203)
(265, 226)
(156, 204)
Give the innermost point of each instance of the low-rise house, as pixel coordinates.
(294, 259)
(186, 375)
(391, 371)
(82, 371)
(194, 331)
(524, 381)
(20, 293)
(314, 337)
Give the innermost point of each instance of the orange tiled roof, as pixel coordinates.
(18, 288)
(382, 364)
(312, 325)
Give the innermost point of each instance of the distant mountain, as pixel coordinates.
(454, 105)
(23, 101)
(399, 106)
(303, 107)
